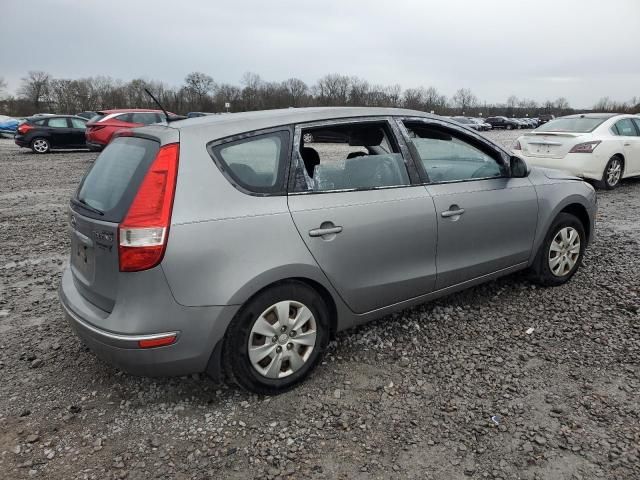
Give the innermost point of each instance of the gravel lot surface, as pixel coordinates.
(453, 389)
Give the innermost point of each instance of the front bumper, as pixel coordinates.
(198, 331)
(583, 165)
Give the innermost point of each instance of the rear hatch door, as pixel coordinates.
(97, 208)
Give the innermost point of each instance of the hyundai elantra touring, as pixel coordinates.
(231, 245)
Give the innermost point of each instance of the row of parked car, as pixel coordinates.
(489, 123)
(93, 130)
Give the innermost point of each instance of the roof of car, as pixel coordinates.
(593, 115)
(127, 110)
(233, 123)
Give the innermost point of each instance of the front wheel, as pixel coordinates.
(612, 173)
(40, 145)
(561, 254)
(276, 339)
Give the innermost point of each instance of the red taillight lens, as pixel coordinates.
(517, 145)
(144, 231)
(24, 128)
(586, 147)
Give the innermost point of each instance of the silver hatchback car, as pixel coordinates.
(239, 244)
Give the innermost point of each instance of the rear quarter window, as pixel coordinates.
(113, 180)
(256, 164)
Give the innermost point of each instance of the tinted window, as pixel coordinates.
(447, 158)
(124, 117)
(77, 123)
(625, 128)
(571, 124)
(349, 156)
(114, 178)
(257, 163)
(146, 118)
(58, 123)
(637, 122)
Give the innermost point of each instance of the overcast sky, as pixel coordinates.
(540, 49)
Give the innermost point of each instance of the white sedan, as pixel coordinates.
(594, 146)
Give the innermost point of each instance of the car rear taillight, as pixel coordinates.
(586, 147)
(143, 232)
(517, 145)
(24, 128)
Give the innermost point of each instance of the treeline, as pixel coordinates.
(39, 92)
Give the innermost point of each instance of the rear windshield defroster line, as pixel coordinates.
(110, 185)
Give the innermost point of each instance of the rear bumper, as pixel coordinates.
(94, 146)
(583, 165)
(21, 141)
(198, 331)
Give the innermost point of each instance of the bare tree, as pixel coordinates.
(333, 89)
(414, 98)
(3, 87)
(35, 88)
(198, 86)
(464, 99)
(296, 90)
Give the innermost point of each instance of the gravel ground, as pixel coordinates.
(450, 390)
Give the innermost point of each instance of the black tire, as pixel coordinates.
(508, 127)
(541, 268)
(235, 350)
(609, 181)
(40, 145)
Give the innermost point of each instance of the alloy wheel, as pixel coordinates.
(614, 172)
(564, 251)
(40, 145)
(282, 339)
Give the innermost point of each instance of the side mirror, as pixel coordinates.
(519, 168)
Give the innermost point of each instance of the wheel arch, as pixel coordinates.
(580, 212)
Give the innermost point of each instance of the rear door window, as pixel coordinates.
(625, 128)
(349, 156)
(146, 118)
(256, 164)
(58, 123)
(113, 180)
(77, 123)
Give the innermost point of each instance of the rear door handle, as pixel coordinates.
(321, 232)
(453, 212)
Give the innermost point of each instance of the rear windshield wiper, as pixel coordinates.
(83, 204)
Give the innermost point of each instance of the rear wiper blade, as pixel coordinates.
(83, 204)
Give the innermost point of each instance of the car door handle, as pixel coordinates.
(321, 232)
(452, 212)
(627, 144)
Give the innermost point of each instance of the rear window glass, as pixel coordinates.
(111, 183)
(257, 163)
(575, 124)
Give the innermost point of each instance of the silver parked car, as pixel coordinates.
(230, 245)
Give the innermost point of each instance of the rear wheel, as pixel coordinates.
(561, 253)
(276, 339)
(508, 127)
(612, 173)
(40, 145)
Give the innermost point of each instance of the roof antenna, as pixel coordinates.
(166, 115)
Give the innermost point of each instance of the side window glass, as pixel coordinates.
(257, 163)
(125, 117)
(147, 118)
(637, 122)
(349, 156)
(77, 123)
(58, 123)
(449, 158)
(625, 128)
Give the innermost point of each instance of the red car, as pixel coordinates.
(101, 128)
